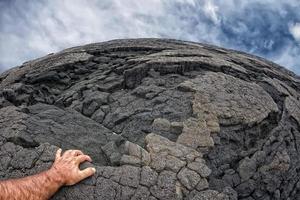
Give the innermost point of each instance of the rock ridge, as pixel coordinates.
(162, 119)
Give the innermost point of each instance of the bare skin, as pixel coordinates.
(64, 171)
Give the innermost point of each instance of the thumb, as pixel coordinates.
(58, 154)
(87, 172)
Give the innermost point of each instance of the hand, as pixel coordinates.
(66, 167)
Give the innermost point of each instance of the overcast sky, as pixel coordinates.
(33, 28)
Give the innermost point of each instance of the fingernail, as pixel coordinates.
(94, 170)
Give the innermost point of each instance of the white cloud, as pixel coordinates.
(211, 11)
(295, 31)
(287, 58)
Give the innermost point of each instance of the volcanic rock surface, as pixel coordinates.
(162, 119)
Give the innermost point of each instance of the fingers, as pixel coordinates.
(82, 158)
(58, 154)
(73, 153)
(77, 152)
(87, 172)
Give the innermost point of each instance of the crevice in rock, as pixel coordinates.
(22, 142)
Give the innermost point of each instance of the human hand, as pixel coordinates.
(66, 167)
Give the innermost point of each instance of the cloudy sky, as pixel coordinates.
(33, 28)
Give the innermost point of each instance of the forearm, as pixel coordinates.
(37, 187)
(64, 171)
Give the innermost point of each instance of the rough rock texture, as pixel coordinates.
(162, 119)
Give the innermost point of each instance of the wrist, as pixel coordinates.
(55, 176)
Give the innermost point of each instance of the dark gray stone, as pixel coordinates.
(148, 176)
(188, 178)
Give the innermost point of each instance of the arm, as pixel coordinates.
(64, 171)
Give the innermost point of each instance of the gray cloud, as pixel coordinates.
(32, 28)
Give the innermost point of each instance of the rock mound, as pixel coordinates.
(162, 119)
